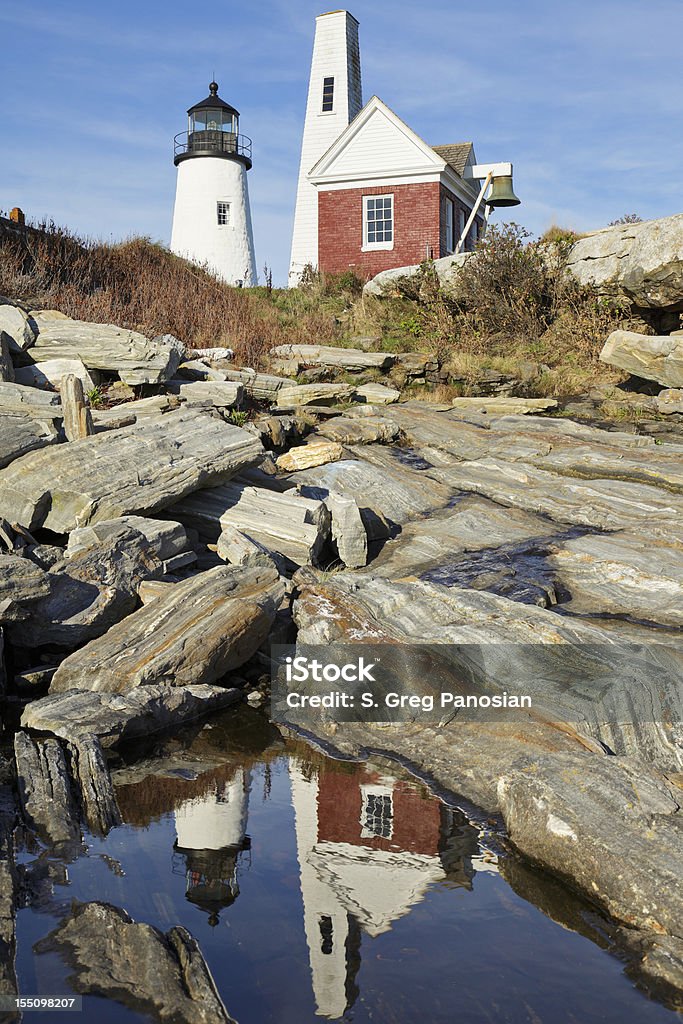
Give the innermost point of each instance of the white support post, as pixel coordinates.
(475, 208)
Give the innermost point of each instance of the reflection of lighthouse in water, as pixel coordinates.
(210, 836)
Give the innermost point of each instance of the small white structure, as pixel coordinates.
(334, 99)
(212, 218)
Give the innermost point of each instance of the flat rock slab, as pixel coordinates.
(654, 358)
(166, 538)
(317, 453)
(354, 430)
(159, 975)
(140, 468)
(287, 523)
(194, 634)
(22, 583)
(117, 718)
(603, 504)
(314, 394)
(328, 355)
(661, 466)
(625, 696)
(376, 394)
(259, 385)
(24, 398)
(20, 434)
(221, 394)
(500, 405)
(49, 373)
(135, 358)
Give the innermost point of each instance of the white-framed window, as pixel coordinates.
(328, 96)
(378, 222)
(377, 812)
(450, 226)
(222, 212)
(461, 223)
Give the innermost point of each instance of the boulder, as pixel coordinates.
(6, 364)
(116, 718)
(502, 405)
(314, 394)
(221, 394)
(328, 355)
(19, 328)
(140, 468)
(317, 453)
(348, 529)
(75, 410)
(643, 262)
(23, 398)
(22, 582)
(157, 975)
(198, 631)
(352, 430)
(263, 386)
(293, 526)
(21, 433)
(376, 394)
(237, 548)
(130, 355)
(198, 370)
(654, 358)
(167, 539)
(670, 400)
(396, 280)
(49, 373)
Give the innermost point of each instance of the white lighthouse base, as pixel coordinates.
(227, 250)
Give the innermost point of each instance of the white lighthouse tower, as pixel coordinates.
(334, 99)
(211, 218)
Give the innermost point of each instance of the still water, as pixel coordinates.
(326, 890)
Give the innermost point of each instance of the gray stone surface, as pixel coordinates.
(17, 325)
(49, 372)
(328, 355)
(21, 433)
(22, 583)
(198, 631)
(655, 358)
(313, 394)
(141, 468)
(135, 358)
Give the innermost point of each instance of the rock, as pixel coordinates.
(317, 453)
(197, 632)
(166, 538)
(314, 394)
(131, 355)
(49, 374)
(44, 787)
(91, 775)
(130, 412)
(643, 262)
(661, 466)
(21, 583)
(614, 830)
(670, 400)
(351, 431)
(156, 974)
(557, 429)
(222, 394)
(17, 326)
(622, 574)
(90, 591)
(116, 718)
(210, 354)
(603, 504)
(329, 355)
(197, 370)
(624, 696)
(259, 385)
(239, 549)
(140, 468)
(654, 358)
(21, 398)
(6, 364)
(388, 497)
(348, 529)
(501, 406)
(77, 418)
(376, 394)
(149, 590)
(398, 279)
(294, 526)
(20, 434)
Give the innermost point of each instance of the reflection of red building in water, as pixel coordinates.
(369, 847)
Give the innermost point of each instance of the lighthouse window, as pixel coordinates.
(223, 212)
(377, 817)
(328, 95)
(378, 222)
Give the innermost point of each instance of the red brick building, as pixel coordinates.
(387, 199)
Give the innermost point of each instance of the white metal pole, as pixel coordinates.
(473, 214)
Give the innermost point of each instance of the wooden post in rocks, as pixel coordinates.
(77, 416)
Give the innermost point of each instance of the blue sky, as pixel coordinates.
(584, 97)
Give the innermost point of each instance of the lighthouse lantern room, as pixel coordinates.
(211, 217)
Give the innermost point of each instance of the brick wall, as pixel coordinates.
(417, 225)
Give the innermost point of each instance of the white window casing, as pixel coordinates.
(450, 226)
(378, 222)
(222, 212)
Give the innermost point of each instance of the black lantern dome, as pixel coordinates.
(213, 130)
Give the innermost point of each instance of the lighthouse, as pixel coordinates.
(211, 217)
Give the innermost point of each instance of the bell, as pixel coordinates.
(501, 192)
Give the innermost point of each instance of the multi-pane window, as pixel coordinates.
(328, 95)
(377, 818)
(223, 212)
(450, 225)
(378, 229)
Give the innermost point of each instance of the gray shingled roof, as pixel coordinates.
(455, 154)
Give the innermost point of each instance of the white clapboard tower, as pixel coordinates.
(211, 217)
(334, 99)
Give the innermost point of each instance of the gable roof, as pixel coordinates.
(456, 154)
